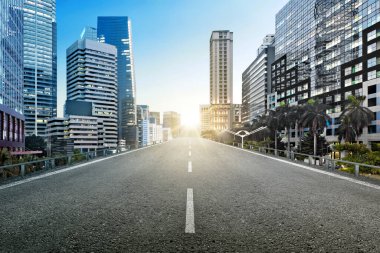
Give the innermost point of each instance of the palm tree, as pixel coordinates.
(299, 110)
(315, 117)
(346, 131)
(288, 117)
(357, 116)
(274, 123)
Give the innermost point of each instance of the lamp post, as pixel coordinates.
(244, 133)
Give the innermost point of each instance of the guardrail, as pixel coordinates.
(319, 161)
(22, 169)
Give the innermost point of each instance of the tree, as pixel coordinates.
(308, 145)
(356, 115)
(288, 118)
(35, 143)
(274, 123)
(5, 156)
(346, 131)
(315, 117)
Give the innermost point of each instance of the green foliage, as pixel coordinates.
(307, 144)
(5, 156)
(354, 118)
(352, 148)
(78, 156)
(209, 134)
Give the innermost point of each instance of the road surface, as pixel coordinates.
(190, 195)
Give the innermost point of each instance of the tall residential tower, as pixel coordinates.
(221, 56)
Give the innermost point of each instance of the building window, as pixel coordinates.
(371, 48)
(371, 102)
(372, 129)
(371, 75)
(371, 62)
(347, 94)
(371, 35)
(347, 82)
(372, 89)
(347, 71)
(337, 98)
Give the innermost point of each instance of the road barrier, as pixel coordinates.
(325, 162)
(23, 169)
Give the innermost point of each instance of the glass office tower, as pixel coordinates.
(11, 75)
(40, 65)
(117, 31)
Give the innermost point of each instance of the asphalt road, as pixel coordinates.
(140, 202)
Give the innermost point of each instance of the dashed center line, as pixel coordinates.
(189, 167)
(190, 227)
(190, 153)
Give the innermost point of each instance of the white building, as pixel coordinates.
(64, 135)
(221, 65)
(92, 77)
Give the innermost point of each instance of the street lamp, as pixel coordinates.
(244, 133)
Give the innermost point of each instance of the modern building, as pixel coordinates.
(90, 33)
(221, 67)
(166, 134)
(155, 132)
(40, 65)
(92, 78)
(327, 50)
(117, 31)
(257, 81)
(205, 117)
(11, 75)
(143, 125)
(157, 116)
(221, 83)
(83, 133)
(172, 120)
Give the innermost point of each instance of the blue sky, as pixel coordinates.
(171, 44)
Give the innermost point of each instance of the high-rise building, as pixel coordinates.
(221, 81)
(172, 120)
(221, 59)
(89, 33)
(117, 31)
(40, 64)
(143, 125)
(157, 116)
(92, 77)
(11, 75)
(322, 52)
(257, 81)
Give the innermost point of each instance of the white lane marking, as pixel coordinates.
(189, 167)
(67, 169)
(377, 187)
(190, 153)
(190, 227)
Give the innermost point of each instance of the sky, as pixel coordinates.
(171, 44)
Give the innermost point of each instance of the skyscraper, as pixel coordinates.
(172, 120)
(40, 65)
(117, 31)
(221, 108)
(257, 81)
(92, 77)
(221, 58)
(11, 74)
(89, 33)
